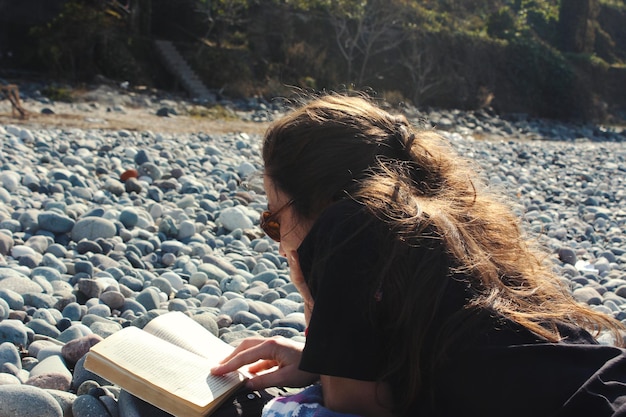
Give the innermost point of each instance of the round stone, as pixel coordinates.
(27, 401)
(55, 222)
(91, 228)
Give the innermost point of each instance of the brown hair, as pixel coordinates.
(413, 180)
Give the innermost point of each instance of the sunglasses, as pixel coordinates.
(270, 224)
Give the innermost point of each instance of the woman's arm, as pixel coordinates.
(362, 398)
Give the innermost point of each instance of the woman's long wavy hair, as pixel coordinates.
(337, 145)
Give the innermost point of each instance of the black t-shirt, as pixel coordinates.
(504, 371)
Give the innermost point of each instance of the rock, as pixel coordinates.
(81, 375)
(39, 345)
(265, 311)
(40, 326)
(246, 318)
(149, 299)
(134, 306)
(286, 306)
(171, 246)
(39, 300)
(567, 255)
(105, 328)
(141, 157)
(129, 217)
(27, 401)
(287, 332)
(10, 180)
(85, 246)
(150, 170)
(293, 321)
(132, 185)
(75, 349)
(234, 337)
(14, 332)
(207, 321)
(75, 331)
(88, 406)
(73, 311)
(214, 271)
(65, 400)
(588, 295)
(113, 299)
(55, 222)
(91, 228)
(128, 174)
(174, 279)
(231, 307)
(8, 379)
(10, 354)
(51, 373)
(92, 288)
(131, 406)
(6, 244)
(233, 218)
(186, 229)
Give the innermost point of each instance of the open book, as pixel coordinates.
(167, 364)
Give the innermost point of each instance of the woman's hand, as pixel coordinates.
(265, 354)
(297, 278)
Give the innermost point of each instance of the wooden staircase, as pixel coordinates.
(179, 68)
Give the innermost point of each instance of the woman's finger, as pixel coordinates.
(253, 350)
(262, 366)
(271, 379)
(244, 345)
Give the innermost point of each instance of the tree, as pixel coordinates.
(431, 69)
(221, 16)
(364, 29)
(577, 25)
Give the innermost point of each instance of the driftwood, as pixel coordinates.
(12, 93)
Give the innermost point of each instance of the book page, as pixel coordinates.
(157, 371)
(183, 331)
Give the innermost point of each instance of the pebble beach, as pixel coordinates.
(104, 228)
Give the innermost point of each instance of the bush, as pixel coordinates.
(544, 81)
(56, 93)
(85, 40)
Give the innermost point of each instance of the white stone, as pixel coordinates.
(174, 279)
(10, 180)
(234, 218)
(22, 250)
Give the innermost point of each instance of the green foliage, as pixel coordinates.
(217, 112)
(589, 60)
(85, 39)
(545, 79)
(616, 4)
(524, 18)
(223, 18)
(222, 68)
(56, 93)
(452, 53)
(502, 24)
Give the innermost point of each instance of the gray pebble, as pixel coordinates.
(88, 406)
(27, 401)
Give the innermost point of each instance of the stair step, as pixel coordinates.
(177, 65)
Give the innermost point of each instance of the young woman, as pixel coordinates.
(421, 295)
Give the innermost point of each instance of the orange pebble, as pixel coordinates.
(129, 173)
